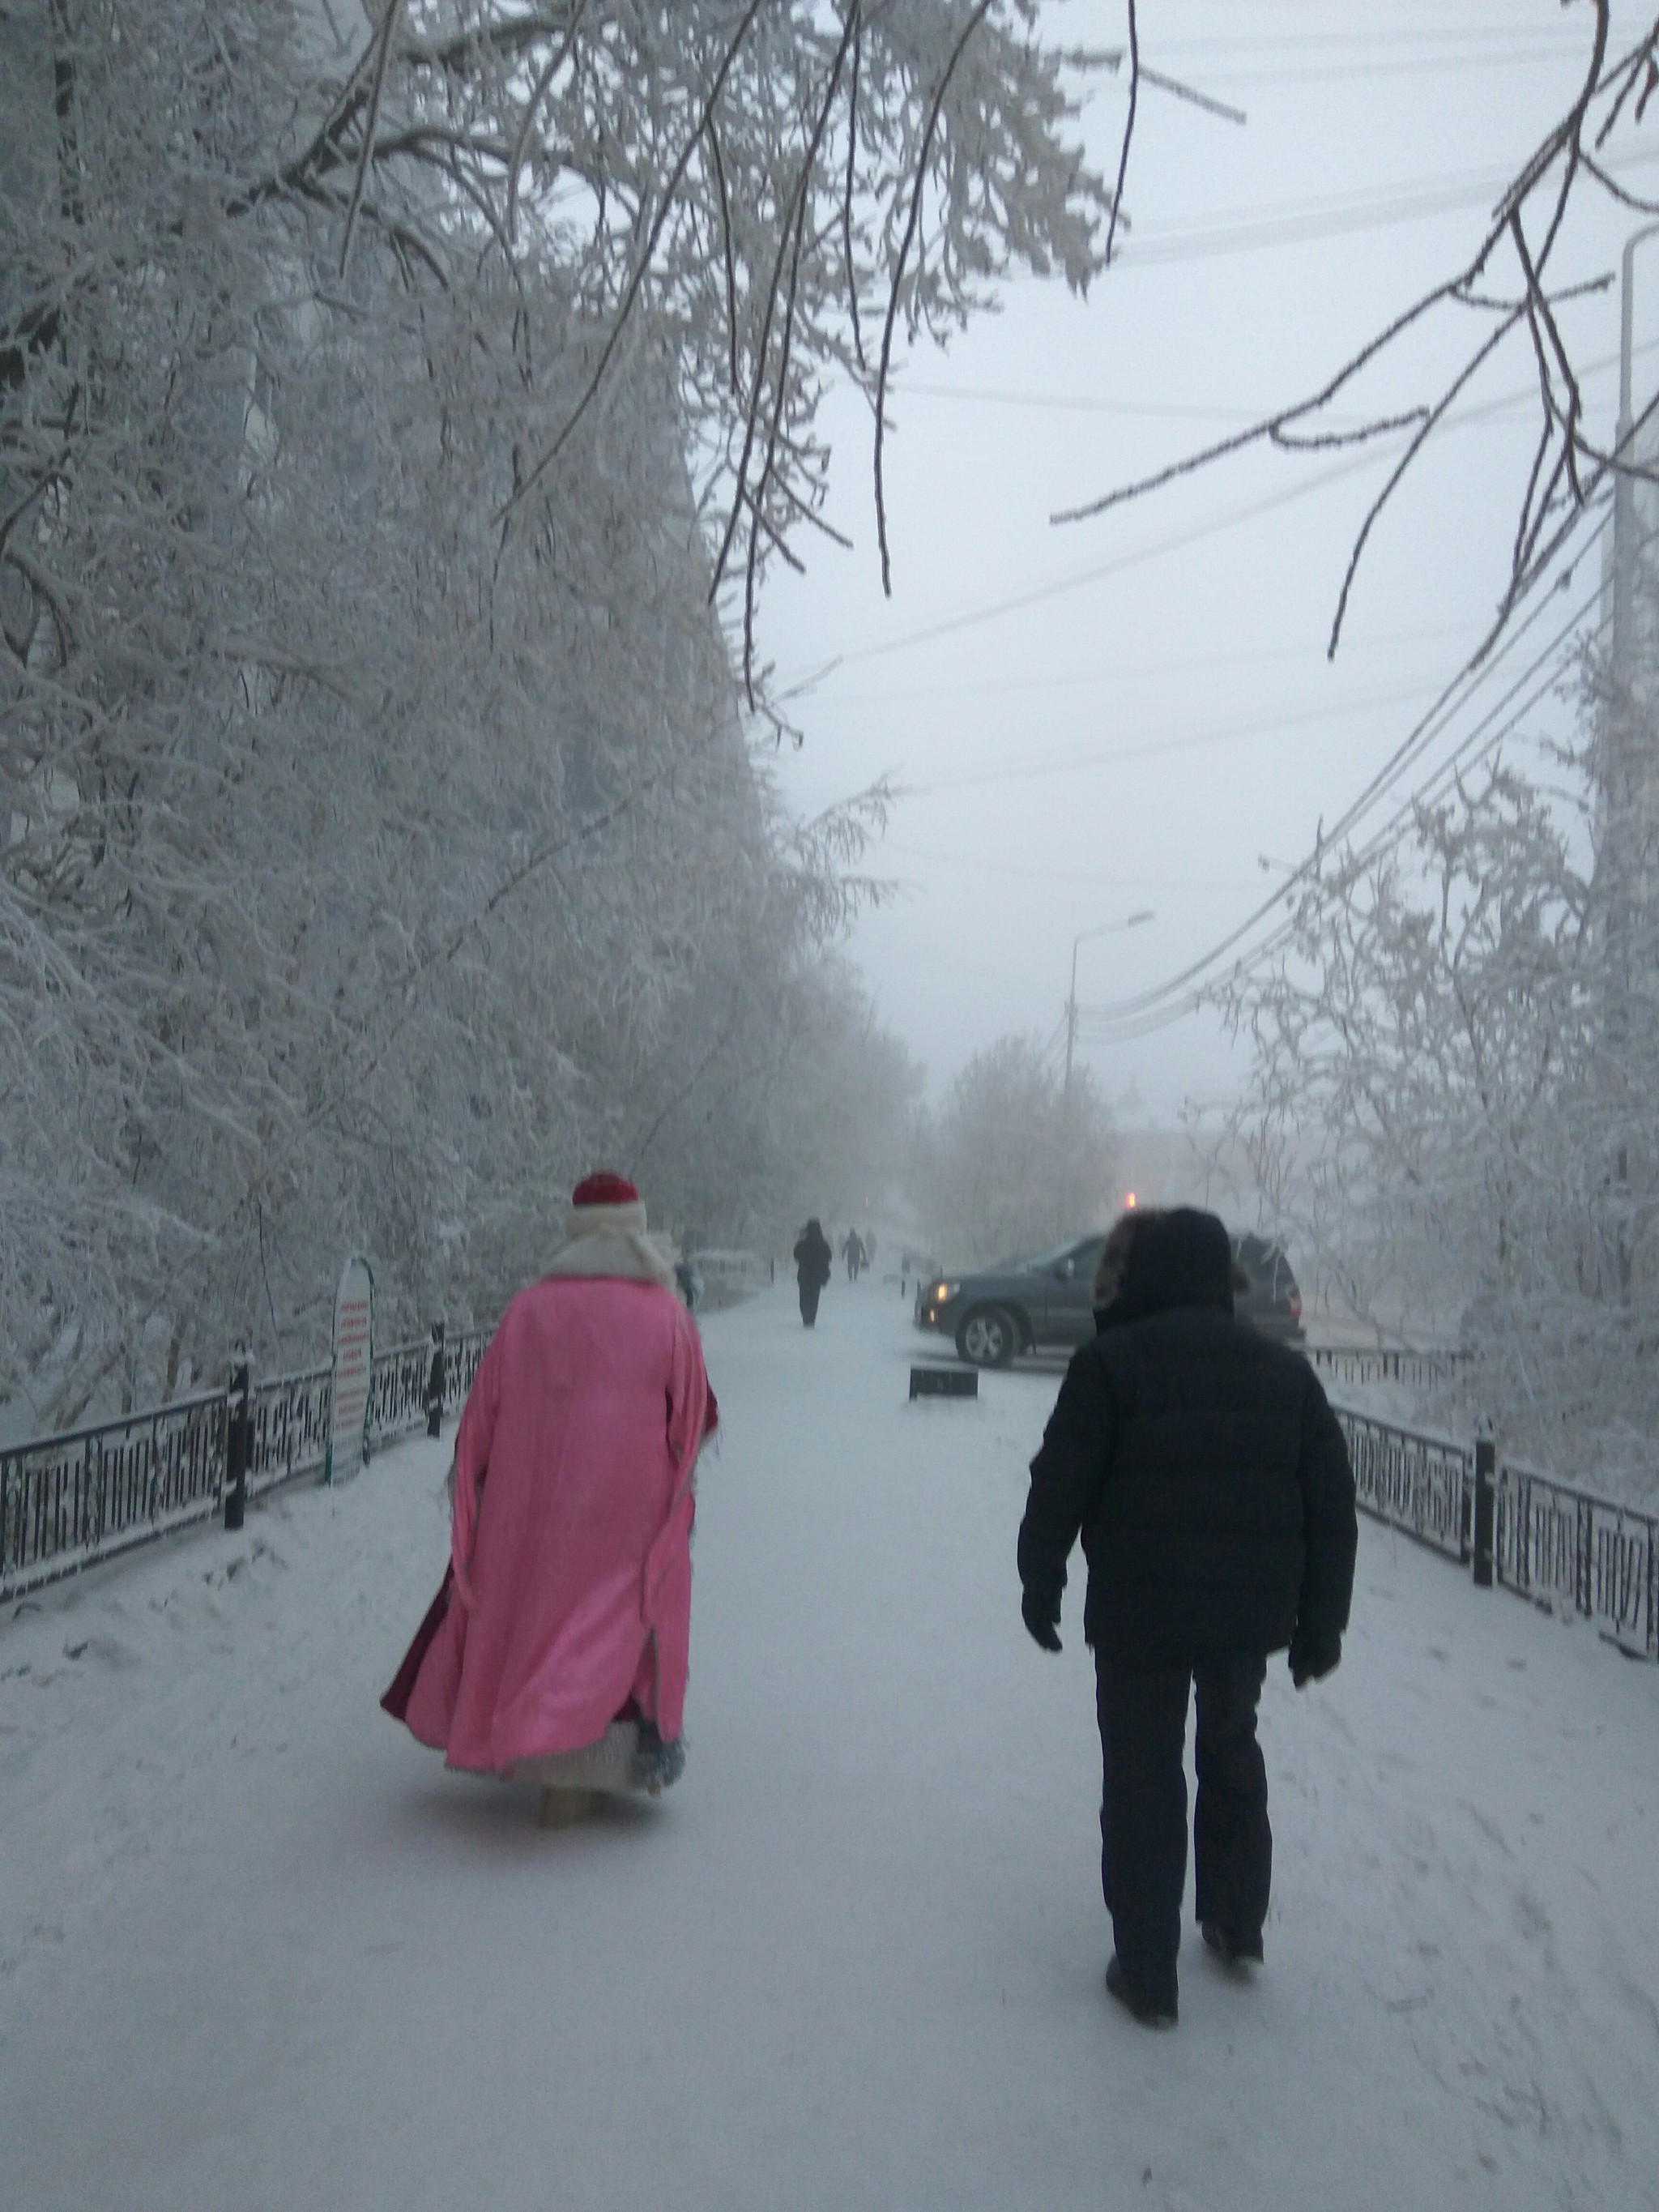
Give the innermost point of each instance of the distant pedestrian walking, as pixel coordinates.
(854, 1249)
(813, 1262)
(434, 1382)
(1210, 1483)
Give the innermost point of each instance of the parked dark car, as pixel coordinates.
(1272, 1302)
(1046, 1304)
(1020, 1305)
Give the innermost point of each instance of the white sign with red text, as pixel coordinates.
(354, 1353)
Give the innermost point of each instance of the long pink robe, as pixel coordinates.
(570, 1581)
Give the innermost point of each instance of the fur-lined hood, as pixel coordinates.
(1154, 1261)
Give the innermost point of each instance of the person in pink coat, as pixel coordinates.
(556, 1650)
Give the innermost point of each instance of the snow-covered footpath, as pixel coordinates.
(258, 1951)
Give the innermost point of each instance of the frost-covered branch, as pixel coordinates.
(1526, 224)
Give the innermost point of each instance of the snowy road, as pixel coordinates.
(259, 1952)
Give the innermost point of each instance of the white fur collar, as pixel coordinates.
(610, 1240)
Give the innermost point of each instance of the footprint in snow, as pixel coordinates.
(104, 1649)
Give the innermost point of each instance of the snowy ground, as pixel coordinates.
(260, 1952)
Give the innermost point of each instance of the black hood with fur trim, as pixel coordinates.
(1181, 1257)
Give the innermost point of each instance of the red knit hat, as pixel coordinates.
(605, 1189)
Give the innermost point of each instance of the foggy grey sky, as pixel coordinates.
(1173, 652)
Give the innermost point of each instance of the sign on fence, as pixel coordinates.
(354, 1355)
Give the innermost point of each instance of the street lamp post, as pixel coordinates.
(1106, 929)
(1623, 484)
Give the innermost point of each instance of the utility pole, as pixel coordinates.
(1623, 827)
(1618, 777)
(1623, 484)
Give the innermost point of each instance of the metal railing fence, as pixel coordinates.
(1357, 1364)
(1580, 1554)
(287, 1423)
(1421, 1483)
(1564, 1547)
(69, 1501)
(90, 1492)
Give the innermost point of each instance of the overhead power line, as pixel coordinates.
(1166, 410)
(1080, 579)
(1093, 879)
(1180, 992)
(1339, 72)
(1330, 215)
(1154, 748)
(1109, 1026)
(1500, 39)
(1151, 409)
(1133, 557)
(1157, 1009)
(1187, 664)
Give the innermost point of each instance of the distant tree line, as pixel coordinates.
(1014, 1158)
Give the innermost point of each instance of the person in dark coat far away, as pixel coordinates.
(1210, 1483)
(813, 1262)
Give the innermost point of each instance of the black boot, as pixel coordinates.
(1147, 2011)
(1232, 1949)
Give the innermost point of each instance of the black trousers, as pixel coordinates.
(1143, 1809)
(810, 1295)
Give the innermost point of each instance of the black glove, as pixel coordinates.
(1310, 1662)
(1039, 1621)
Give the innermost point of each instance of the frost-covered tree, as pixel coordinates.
(1505, 288)
(379, 843)
(802, 1105)
(1459, 1131)
(765, 196)
(1014, 1159)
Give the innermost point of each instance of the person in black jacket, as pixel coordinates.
(813, 1262)
(1210, 1483)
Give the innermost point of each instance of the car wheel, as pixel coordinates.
(989, 1336)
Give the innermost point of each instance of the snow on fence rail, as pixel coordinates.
(1565, 1548)
(69, 1501)
(1421, 1483)
(1580, 1553)
(1357, 1364)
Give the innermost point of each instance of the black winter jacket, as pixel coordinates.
(1202, 1465)
(814, 1260)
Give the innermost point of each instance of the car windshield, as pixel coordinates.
(1073, 1249)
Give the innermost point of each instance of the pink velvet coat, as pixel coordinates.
(570, 1583)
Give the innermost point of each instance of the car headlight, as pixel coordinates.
(941, 1292)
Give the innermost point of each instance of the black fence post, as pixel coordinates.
(1584, 1551)
(434, 1382)
(1486, 1507)
(236, 1446)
